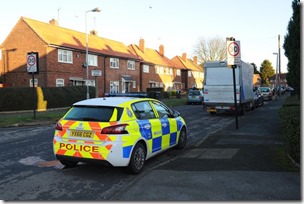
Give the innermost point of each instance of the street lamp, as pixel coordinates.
(87, 48)
(276, 79)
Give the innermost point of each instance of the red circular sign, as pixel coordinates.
(31, 60)
(233, 49)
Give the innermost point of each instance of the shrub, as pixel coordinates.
(290, 120)
(16, 99)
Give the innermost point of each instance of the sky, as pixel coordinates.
(177, 24)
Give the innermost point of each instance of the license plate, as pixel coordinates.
(81, 134)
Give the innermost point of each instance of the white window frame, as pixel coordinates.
(178, 72)
(131, 64)
(114, 87)
(93, 60)
(134, 84)
(146, 68)
(114, 63)
(65, 56)
(189, 73)
(59, 82)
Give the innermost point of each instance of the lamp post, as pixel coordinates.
(276, 79)
(87, 49)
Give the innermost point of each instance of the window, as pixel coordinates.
(92, 59)
(131, 64)
(163, 112)
(146, 68)
(88, 113)
(156, 70)
(59, 82)
(189, 73)
(178, 72)
(114, 63)
(171, 71)
(65, 56)
(143, 110)
(35, 82)
(114, 87)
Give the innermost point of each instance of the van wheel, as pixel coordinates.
(137, 160)
(182, 140)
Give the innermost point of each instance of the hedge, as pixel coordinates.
(290, 120)
(16, 99)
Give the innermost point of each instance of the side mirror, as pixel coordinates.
(176, 114)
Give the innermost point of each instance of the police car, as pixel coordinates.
(121, 131)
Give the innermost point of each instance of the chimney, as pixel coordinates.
(162, 50)
(53, 22)
(195, 59)
(184, 56)
(94, 32)
(142, 45)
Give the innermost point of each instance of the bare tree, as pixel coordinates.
(213, 49)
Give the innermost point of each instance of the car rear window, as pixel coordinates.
(194, 93)
(92, 113)
(264, 89)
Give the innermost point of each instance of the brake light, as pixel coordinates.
(58, 126)
(115, 129)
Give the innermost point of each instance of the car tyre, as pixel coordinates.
(68, 163)
(182, 140)
(137, 160)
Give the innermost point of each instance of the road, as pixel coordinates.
(29, 171)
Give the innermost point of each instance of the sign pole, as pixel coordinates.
(235, 101)
(96, 87)
(234, 59)
(32, 61)
(33, 82)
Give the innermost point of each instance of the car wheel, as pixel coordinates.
(182, 140)
(137, 160)
(68, 163)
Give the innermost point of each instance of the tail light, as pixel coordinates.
(58, 126)
(115, 129)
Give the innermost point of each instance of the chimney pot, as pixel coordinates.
(184, 56)
(142, 45)
(195, 59)
(53, 22)
(162, 50)
(94, 32)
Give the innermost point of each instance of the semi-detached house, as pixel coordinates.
(62, 56)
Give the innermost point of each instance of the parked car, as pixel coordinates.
(120, 131)
(266, 92)
(258, 98)
(195, 96)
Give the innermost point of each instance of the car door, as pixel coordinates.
(169, 127)
(149, 125)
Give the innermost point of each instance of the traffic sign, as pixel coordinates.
(32, 62)
(96, 72)
(233, 52)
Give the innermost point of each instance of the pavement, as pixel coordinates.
(244, 164)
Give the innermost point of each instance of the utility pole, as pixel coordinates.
(279, 64)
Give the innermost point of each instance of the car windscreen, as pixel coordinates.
(94, 113)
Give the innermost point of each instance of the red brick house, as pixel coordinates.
(192, 73)
(62, 56)
(157, 69)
